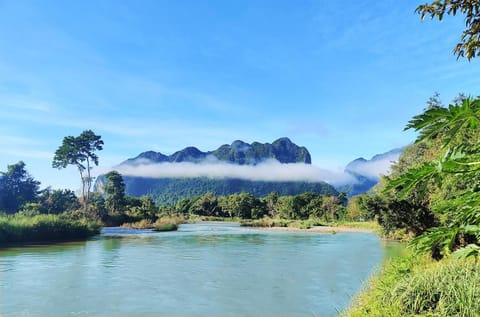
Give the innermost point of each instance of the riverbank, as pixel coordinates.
(420, 286)
(313, 225)
(321, 229)
(41, 228)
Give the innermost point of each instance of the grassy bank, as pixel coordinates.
(267, 222)
(19, 228)
(419, 286)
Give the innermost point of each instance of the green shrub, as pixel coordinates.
(166, 227)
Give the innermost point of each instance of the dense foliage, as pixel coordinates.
(16, 188)
(247, 206)
(168, 191)
(114, 191)
(448, 182)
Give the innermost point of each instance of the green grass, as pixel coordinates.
(267, 222)
(21, 228)
(418, 286)
(372, 225)
(308, 223)
(166, 227)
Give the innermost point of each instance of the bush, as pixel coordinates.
(166, 227)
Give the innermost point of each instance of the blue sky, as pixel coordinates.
(339, 77)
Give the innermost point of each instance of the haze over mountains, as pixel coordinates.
(367, 172)
(257, 168)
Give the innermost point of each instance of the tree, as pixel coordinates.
(17, 187)
(271, 203)
(79, 151)
(58, 201)
(469, 45)
(147, 209)
(354, 209)
(114, 192)
(206, 205)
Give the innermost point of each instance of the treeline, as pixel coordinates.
(115, 207)
(247, 206)
(169, 191)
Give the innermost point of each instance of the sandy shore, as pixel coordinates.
(322, 229)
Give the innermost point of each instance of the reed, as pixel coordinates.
(21, 228)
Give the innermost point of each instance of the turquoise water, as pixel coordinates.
(206, 269)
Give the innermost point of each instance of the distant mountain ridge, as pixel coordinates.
(239, 152)
(169, 190)
(367, 172)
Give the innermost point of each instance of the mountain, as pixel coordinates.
(239, 153)
(366, 173)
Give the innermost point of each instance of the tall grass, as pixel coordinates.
(450, 288)
(415, 286)
(21, 228)
(166, 223)
(308, 223)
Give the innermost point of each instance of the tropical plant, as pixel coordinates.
(457, 129)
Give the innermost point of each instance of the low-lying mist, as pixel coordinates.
(270, 170)
(375, 168)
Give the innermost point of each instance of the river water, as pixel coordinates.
(205, 269)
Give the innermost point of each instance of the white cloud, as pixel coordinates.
(270, 170)
(375, 168)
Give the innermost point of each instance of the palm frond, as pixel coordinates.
(442, 238)
(417, 178)
(454, 118)
(467, 251)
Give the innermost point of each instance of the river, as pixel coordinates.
(204, 269)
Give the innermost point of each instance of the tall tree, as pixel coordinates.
(114, 192)
(469, 45)
(80, 151)
(16, 187)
